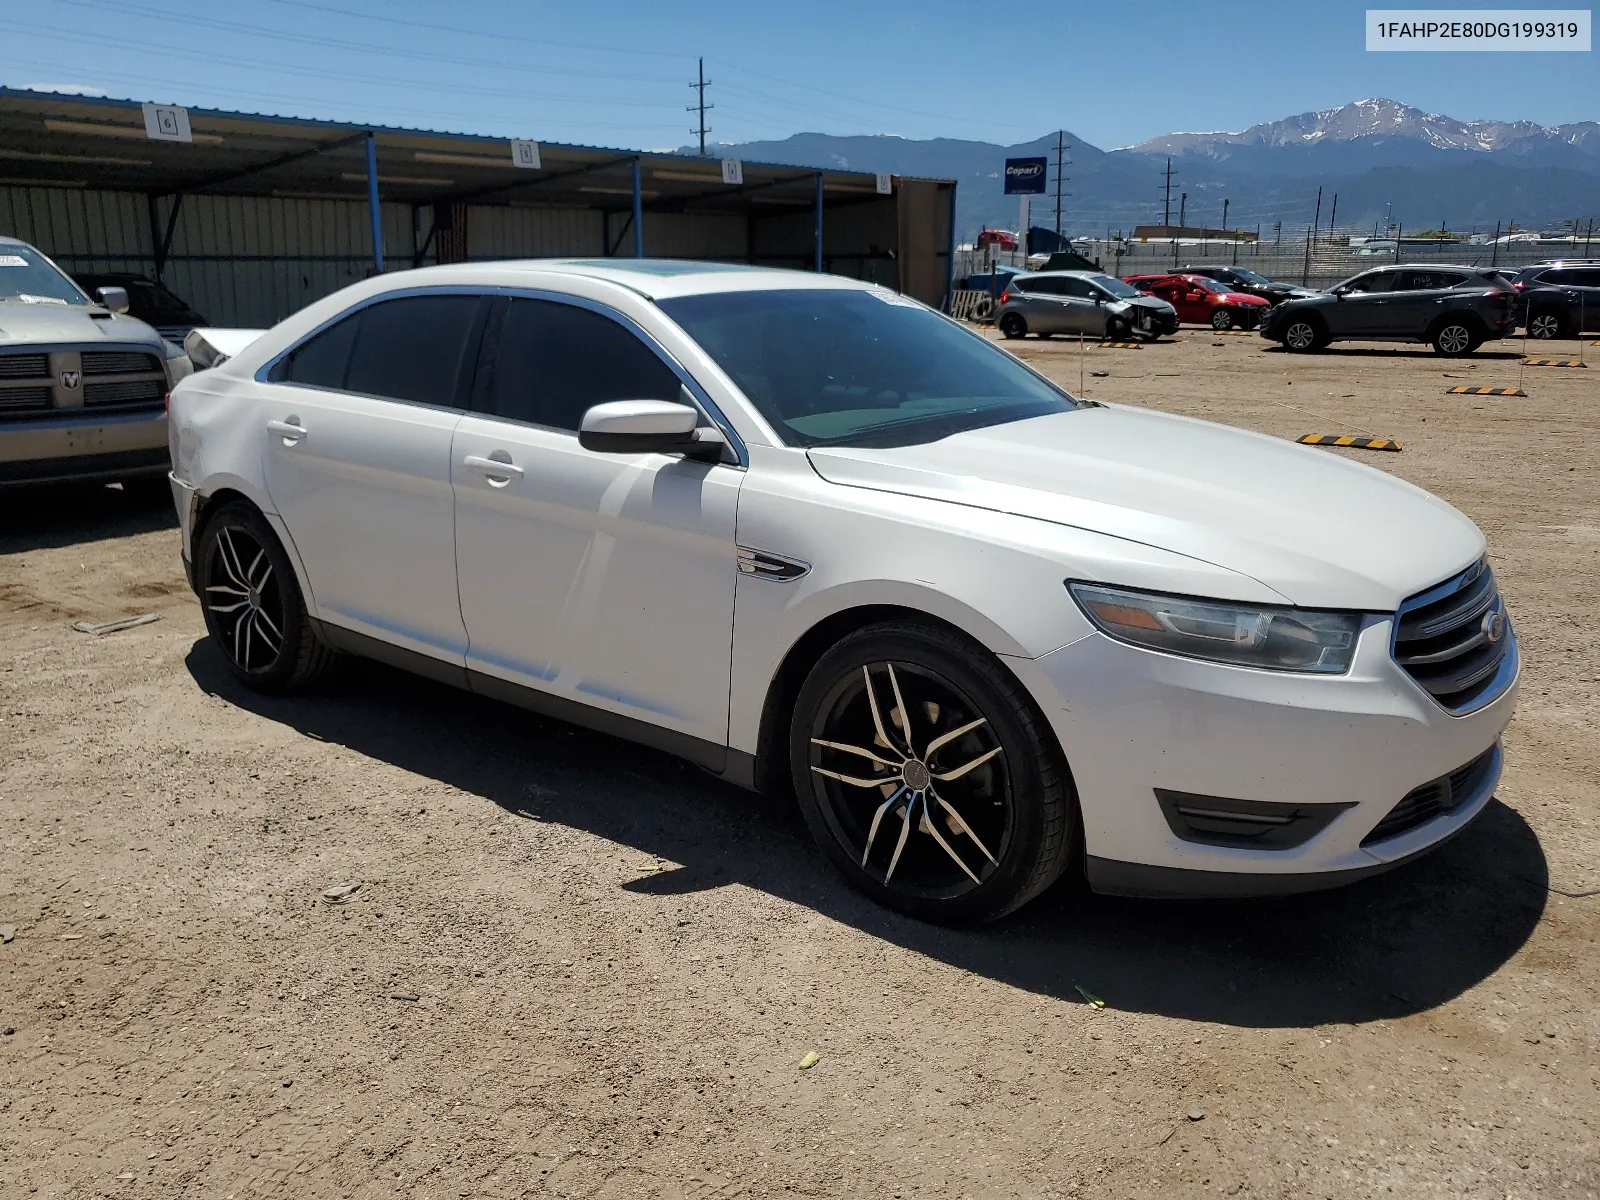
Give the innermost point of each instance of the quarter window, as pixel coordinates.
(556, 361)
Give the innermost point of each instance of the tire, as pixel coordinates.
(1009, 780)
(1222, 319)
(1454, 338)
(252, 603)
(1546, 323)
(983, 309)
(1013, 326)
(1303, 336)
(1116, 329)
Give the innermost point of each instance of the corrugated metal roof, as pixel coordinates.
(49, 138)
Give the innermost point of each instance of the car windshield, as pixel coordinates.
(1210, 285)
(830, 367)
(27, 277)
(1122, 291)
(1251, 276)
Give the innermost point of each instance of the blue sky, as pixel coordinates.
(617, 73)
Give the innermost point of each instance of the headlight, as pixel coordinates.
(1273, 639)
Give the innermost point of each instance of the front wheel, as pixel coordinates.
(1012, 326)
(1454, 339)
(1221, 320)
(928, 775)
(1116, 329)
(1302, 337)
(252, 603)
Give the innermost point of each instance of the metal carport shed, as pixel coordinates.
(253, 217)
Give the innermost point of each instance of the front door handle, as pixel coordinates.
(289, 431)
(494, 468)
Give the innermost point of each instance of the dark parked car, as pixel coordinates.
(1252, 283)
(150, 302)
(1453, 309)
(1558, 299)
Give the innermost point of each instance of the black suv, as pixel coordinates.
(1559, 299)
(1453, 309)
(1251, 283)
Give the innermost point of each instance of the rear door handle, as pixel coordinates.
(287, 430)
(493, 467)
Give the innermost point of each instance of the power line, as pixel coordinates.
(702, 106)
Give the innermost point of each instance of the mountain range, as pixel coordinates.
(1384, 160)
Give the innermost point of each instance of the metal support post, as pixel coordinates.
(372, 202)
(819, 224)
(638, 213)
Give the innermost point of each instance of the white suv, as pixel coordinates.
(808, 533)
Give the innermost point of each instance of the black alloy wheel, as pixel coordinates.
(252, 603)
(1302, 336)
(928, 776)
(1454, 339)
(1545, 324)
(1013, 326)
(1116, 329)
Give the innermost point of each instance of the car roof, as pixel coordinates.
(1065, 274)
(655, 278)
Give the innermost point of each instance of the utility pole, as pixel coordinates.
(1224, 214)
(1166, 209)
(701, 106)
(1334, 214)
(1060, 178)
(1183, 207)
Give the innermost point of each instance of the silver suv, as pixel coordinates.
(83, 387)
(1086, 302)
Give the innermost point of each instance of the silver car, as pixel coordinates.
(1084, 302)
(83, 387)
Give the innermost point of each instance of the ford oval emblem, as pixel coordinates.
(1493, 626)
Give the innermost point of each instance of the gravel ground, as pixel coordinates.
(578, 968)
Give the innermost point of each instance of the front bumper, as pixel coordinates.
(83, 446)
(1132, 721)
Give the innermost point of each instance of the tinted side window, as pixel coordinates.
(1080, 288)
(1556, 278)
(321, 361)
(1584, 277)
(412, 348)
(1378, 281)
(556, 361)
(1031, 286)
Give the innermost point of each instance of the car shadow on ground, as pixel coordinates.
(1387, 947)
(40, 518)
(1418, 351)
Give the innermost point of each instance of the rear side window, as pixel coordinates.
(1556, 278)
(412, 348)
(321, 361)
(555, 361)
(1584, 277)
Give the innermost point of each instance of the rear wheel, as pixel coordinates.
(252, 603)
(1545, 324)
(1455, 338)
(1222, 319)
(1013, 326)
(928, 776)
(1303, 336)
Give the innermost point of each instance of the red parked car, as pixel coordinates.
(1202, 301)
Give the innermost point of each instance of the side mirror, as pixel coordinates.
(1338, 293)
(648, 427)
(114, 298)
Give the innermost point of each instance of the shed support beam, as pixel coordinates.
(638, 213)
(372, 202)
(819, 224)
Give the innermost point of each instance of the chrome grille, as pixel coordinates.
(1456, 640)
(24, 366)
(1434, 798)
(116, 362)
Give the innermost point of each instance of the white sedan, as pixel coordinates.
(810, 534)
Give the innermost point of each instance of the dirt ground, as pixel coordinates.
(579, 968)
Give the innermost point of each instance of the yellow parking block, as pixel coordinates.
(1348, 441)
(1121, 345)
(1484, 391)
(1553, 362)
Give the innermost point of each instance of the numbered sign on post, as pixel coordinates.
(885, 183)
(732, 171)
(166, 123)
(525, 155)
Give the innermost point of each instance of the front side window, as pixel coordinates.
(1378, 281)
(1079, 288)
(1114, 287)
(556, 361)
(27, 277)
(1250, 277)
(838, 367)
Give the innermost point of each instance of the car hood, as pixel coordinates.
(68, 323)
(1240, 298)
(1319, 530)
